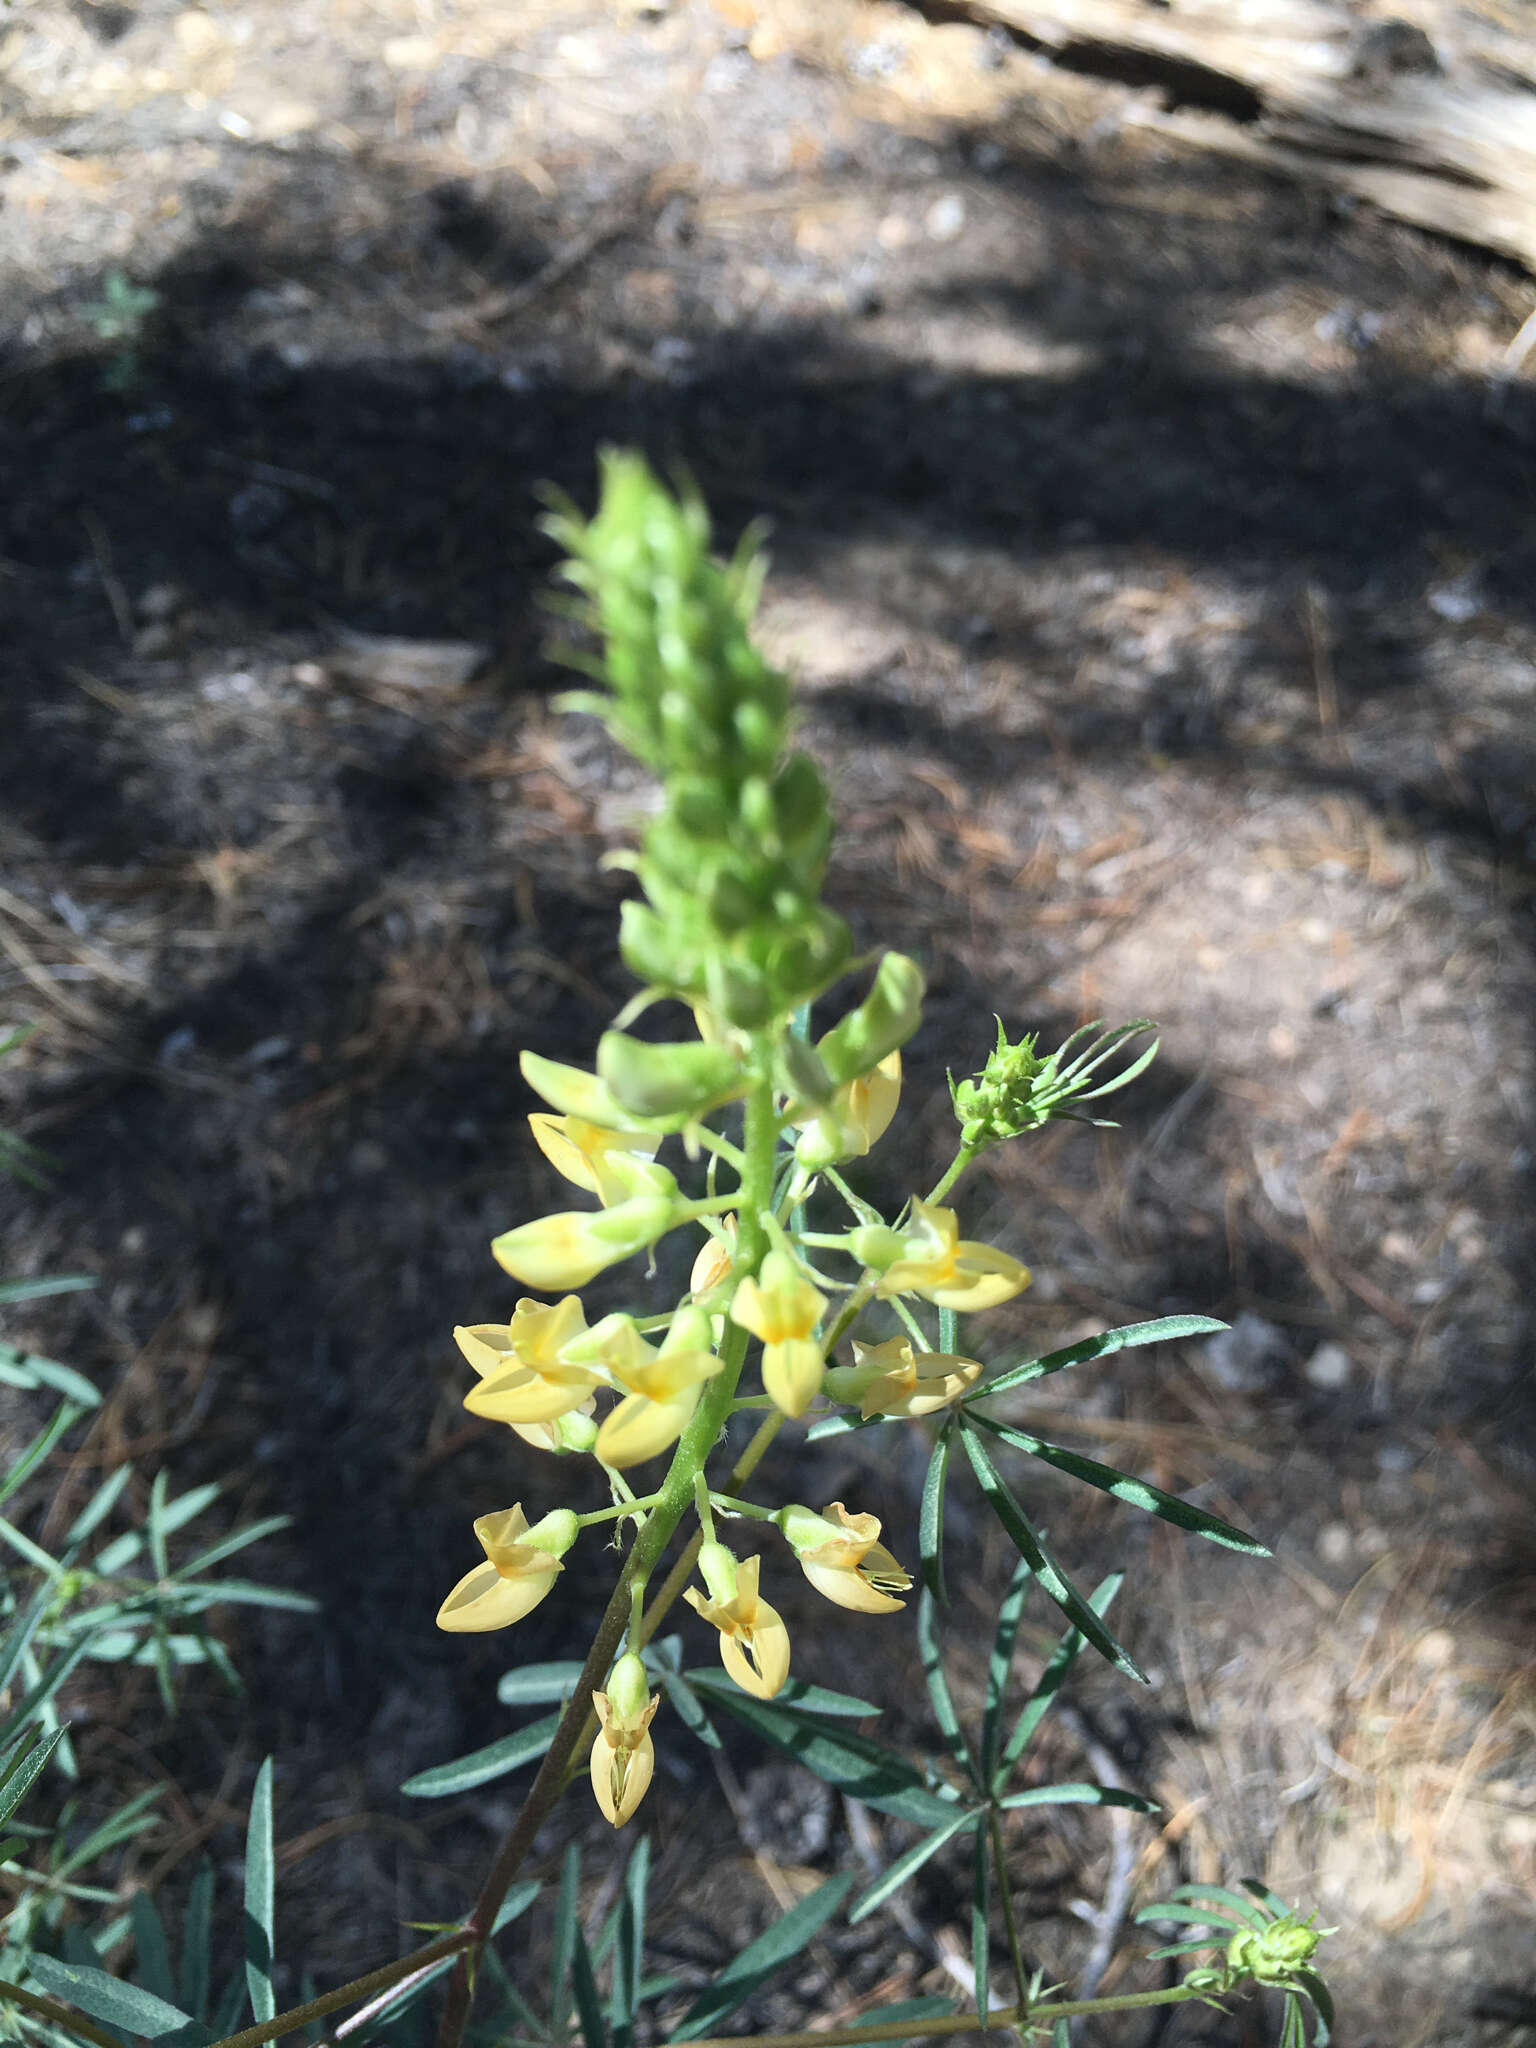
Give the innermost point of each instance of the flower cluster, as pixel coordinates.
(730, 923)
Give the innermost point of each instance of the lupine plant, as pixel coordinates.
(805, 1308)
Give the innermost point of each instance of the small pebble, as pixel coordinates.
(1329, 1367)
(945, 219)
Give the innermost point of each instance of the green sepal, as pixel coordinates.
(881, 1024)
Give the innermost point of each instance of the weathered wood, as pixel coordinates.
(1431, 119)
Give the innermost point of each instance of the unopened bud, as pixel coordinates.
(666, 1080)
(882, 1023)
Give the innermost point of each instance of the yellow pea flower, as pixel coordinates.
(856, 1118)
(783, 1309)
(952, 1271)
(754, 1643)
(523, 1377)
(623, 1755)
(580, 1150)
(839, 1554)
(522, 1563)
(574, 1432)
(572, 1247)
(893, 1379)
(713, 1263)
(661, 1388)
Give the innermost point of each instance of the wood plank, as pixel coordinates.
(1430, 114)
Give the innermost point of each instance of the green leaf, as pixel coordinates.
(176, 1514)
(482, 1765)
(842, 1424)
(42, 1691)
(1000, 1663)
(1052, 1678)
(981, 1939)
(260, 1896)
(151, 1950)
(1029, 1546)
(28, 1462)
(1079, 1794)
(758, 1961)
(1166, 1506)
(567, 1919)
(1265, 1896)
(1322, 1999)
(98, 1507)
(1164, 1330)
(35, 1290)
(1218, 1895)
(13, 1647)
(130, 1819)
(197, 1942)
(624, 1992)
(938, 1687)
(865, 1770)
(908, 1864)
(22, 1773)
(156, 1531)
(930, 1519)
(113, 2002)
(237, 1539)
(536, 1685)
(685, 1703)
(794, 1694)
(589, 2008)
(190, 1598)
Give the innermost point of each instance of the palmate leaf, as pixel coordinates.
(482, 1765)
(759, 1960)
(1030, 1547)
(1127, 1338)
(1166, 1506)
(865, 1770)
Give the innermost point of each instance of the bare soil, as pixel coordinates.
(1154, 544)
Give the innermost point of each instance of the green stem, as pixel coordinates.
(951, 1174)
(954, 2023)
(50, 2009)
(1005, 1892)
(634, 1506)
(674, 1499)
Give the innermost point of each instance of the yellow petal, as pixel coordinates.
(842, 1585)
(487, 1346)
(982, 1277)
(792, 1374)
(714, 1260)
(519, 1395)
(638, 1428)
(621, 1777)
(758, 1658)
(579, 1150)
(483, 1599)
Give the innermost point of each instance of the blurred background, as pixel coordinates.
(1152, 524)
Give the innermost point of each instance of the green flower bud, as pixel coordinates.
(666, 1080)
(717, 1568)
(628, 1688)
(799, 1073)
(555, 1532)
(882, 1023)
(739, 992)
(877, 1246)
(573, 1092)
